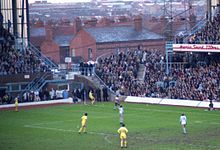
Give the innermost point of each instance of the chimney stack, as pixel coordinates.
(78, 24)
(138, 23)
(49, 31)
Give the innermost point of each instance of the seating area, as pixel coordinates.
(194, 82)
(16, 61)
(119, 72)
(209, 34)
(200, 82)
(198, 79)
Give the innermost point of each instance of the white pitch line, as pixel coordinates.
(64, 130)
(61, 121)
(106, 135)
(214, 123)
(197, 121)
(46, 123)
(106, 139)
(206, 122)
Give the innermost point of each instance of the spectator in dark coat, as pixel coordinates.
(83, 95)
(1, 19)
(105, 94)
(98, 95)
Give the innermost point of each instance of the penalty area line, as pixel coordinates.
(106, 135)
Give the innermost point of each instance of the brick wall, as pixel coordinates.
(51, 50)
(103, 48)
(81, 43)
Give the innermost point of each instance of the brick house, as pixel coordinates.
(88, 43)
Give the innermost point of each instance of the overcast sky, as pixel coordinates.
(61, 1)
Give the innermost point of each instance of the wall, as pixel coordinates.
(51, 50)
(172, 102)
(81, 43)
(103, 48)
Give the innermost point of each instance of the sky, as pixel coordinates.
(61, 1)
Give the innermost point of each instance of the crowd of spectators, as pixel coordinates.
(34, 96)
(200, 82)
(82, 94)
(86, 68)
(209, 34)
(199, 79)
(119, 72)
(194, 82)
(14, 61)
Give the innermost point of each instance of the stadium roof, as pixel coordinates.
(121, 34)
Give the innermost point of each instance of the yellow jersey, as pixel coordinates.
(122, 131)
(83, 120)
(91, 95)
(16, 101)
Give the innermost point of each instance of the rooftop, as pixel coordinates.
(121, 34)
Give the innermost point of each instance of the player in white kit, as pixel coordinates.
(121, 114)
(183, 122)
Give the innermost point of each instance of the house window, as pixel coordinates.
(73, 52)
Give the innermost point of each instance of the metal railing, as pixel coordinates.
(41, 56)
(41, 82)
(36, 84)
(100, 80)
(198, 26)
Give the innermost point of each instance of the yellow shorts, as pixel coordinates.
(123, 136)
(83, 124)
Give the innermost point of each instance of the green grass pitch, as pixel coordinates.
(151, 127)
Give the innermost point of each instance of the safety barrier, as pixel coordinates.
(176, 102)
(59, 101)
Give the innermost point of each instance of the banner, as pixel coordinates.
(196, 48)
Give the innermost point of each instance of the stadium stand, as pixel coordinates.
(14, 61)
(208, 34)
(119, 72)
(194, 82)
(198, 78)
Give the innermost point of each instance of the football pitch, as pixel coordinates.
(150, 127)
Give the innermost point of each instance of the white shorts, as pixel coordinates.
(121, 117)
(183, 123)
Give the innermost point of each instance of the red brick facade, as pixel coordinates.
(49, 47)
(81, 45)
(84, 45)
(51, 50)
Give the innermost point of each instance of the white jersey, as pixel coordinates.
(183, 120)
(121, 110)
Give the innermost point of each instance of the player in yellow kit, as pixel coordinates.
(83, 123)
(91, 97)
(16, 104)
(123, 135)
